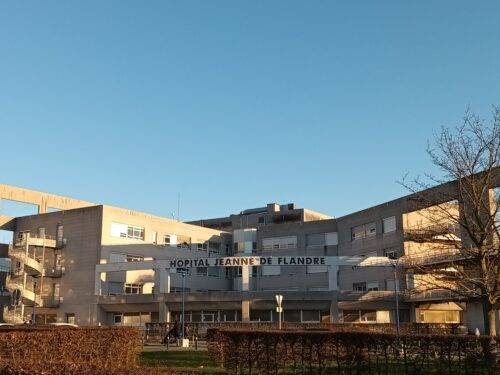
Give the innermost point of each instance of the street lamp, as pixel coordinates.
(279, 308)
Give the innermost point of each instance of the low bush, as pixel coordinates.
(67, 350)
(348, 352)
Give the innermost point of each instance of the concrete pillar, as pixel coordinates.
(332, 277)
(245, 311)
(163, 313)
(334, 311)
(42, 207)
(245, 278)
(162, 281)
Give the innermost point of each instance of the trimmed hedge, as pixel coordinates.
(67, 350)
(344, 352)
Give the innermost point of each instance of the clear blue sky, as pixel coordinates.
(236, 103)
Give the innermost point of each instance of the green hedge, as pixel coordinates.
(66, 350)
(344, 352)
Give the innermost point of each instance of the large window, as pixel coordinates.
(363, 231)
(372, 286)
(321, 239)
(389, 224)
(439, 316)
(127, 231)
(133, 288)
(202, 246)
(183, 242)
(271, 270)
(359, 287)
(276, 243)
(201, 271)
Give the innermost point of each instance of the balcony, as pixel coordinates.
(33, 266)
(372, 295)
(431, 257)
(431, 295)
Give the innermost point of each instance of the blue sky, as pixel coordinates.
(235, 104)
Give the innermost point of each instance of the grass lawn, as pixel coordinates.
(188, 361)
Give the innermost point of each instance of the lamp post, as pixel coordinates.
(279, 308)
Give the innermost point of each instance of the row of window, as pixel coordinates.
(370, 229)
(367, 286)
(133, 232)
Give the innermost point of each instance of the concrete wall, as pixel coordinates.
(82, 231)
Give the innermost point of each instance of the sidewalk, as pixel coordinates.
(202, 346)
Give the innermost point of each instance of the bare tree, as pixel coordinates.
(452, 230)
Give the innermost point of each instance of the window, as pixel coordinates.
(363, 231)
(117, 319)
(372, 286)
(359, 287)
(70, 318)
(316, 269)
(276, 243)
(262, 220)
(389, 224)
(183, 242)
(166, 239)
(214, 247)
(186, 271)
(154, 237)
(389, 284)
(368, 316)
(133, 288)
(271, 270)
(202, 246)
(201, 271)
(315, 240)
(440, 316)
(127, 231)
(310, 316)
(134, 258)
(214, 271)
(391, 253)
(228, 248)
(332, 239)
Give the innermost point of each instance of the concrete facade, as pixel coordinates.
(57, 258)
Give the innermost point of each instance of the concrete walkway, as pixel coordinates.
(202, 346)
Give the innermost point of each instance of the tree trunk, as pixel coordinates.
(486, 307)
(492, 320)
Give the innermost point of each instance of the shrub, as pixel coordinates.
(67, 350)
(352, 352)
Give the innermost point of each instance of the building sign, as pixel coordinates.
(249, 261)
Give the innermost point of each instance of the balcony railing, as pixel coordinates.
(431, 295)
(430, 257)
